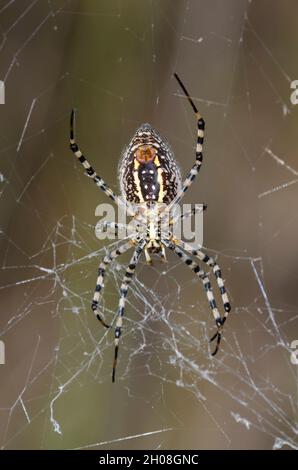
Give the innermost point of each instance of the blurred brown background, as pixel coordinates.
(113, 61)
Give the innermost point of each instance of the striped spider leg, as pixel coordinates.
(113, 228)
(208, 260)
(198, 253)
(123, 293)
(104, 264)
(199, 148)
(193, 211)
(107, 260)
(173, 245)
(91, 172)
(185, 215)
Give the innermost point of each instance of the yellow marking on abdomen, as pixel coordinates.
(137, 180)
(161, 192)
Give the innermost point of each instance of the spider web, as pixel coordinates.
(113, 61)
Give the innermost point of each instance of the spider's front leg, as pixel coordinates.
(208, 289)
(123, 293)
(199, 149)
(91, 172)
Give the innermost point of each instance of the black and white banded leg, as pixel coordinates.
(123, 293)
(195, 210)
(199, 149)
(113, 228)
(216, 270)
(199, 208)
(208, 289)
(107, 260)
(91, 172)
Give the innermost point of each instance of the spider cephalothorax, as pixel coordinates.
(151, 188)
(148, 171)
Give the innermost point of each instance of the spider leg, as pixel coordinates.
(163, 254)
(208, 289)
(123, 293)
(194, 211)
(218, 336)
(185, 215)
(199, 148)
(148, 257)
(100, 279)
(216, 270)
(91, 172)
(113, 228)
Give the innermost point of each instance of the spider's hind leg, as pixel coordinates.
(217, 335)
(207, 285)
(123, 294)
(209, 261)
(104, 264)
(219, 321)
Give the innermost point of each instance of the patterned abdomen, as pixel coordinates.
(148, 176)
(148, 171)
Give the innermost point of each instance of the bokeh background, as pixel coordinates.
(113, 60)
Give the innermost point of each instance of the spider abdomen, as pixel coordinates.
(149, 185)
(148, 171)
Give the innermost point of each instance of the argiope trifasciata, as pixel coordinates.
(151, 186)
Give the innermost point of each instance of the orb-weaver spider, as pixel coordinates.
(151, 185)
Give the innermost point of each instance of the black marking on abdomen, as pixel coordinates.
(147, 173)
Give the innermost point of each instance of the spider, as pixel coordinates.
(151, 186)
